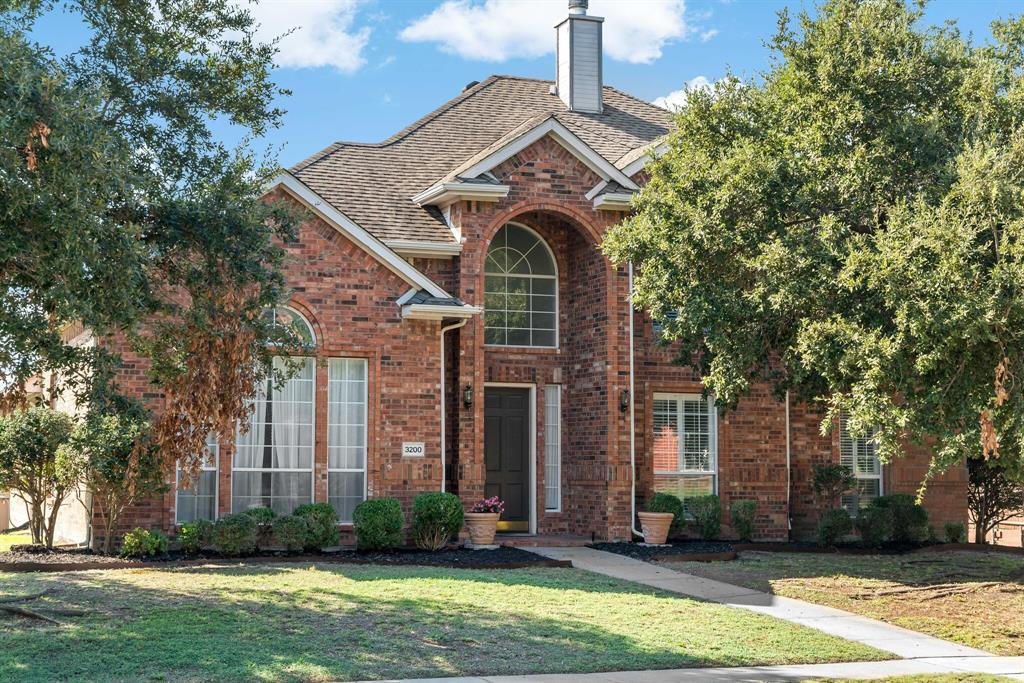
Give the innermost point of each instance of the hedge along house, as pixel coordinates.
(466, 334)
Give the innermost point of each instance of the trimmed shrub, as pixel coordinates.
(143, 543)
(290, 532)
(666, 502)
(874, 525)
(378, 524)
(194, 536)
(834, 525)
(742, 514)
(262, 515)
(235, 534)
(436, 517)
(956, 532)
(909, 519)
(707, 515)
(323, 525)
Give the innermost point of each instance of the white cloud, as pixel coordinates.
(677, 98)
(498, 30)
(324, 32)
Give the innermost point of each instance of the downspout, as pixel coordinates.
(632, 414)
(789, 474)
(444, 398)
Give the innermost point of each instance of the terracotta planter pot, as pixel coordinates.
(481, 527)
(655, 526)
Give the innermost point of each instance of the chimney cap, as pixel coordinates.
(578, 6)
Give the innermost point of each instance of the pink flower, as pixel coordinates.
(493, 504)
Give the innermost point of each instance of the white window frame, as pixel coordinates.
(543, 242)
(553, 445)
(298, 314)
(850, 448)
(366, 436)
(312, 464)
(712, 412)
(215, 456)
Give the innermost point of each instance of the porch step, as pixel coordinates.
(547, 540)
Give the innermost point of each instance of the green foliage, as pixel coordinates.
(995, 493)
(196, 535)
(667, 502)
(875, 525)
(956, 532)
(742, 513)
(856, 214)
(436, 518)
(834, 525)
(235, 535)
(707, 515)
(909, 518)
(323, 525)
(378, 524)
(143, 543)
(830, 482)
(34, 460)
(291, 532)
(262, 515)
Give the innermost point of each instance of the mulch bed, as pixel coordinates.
(679, 551)
(77, 560)
(710, 551)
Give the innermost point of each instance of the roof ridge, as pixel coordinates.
(637, 99)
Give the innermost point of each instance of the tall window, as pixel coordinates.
(346, 435)
(521, 290)
(273, 460)
(553, 447)
(685, 445)
(860, 456)
(199, 500)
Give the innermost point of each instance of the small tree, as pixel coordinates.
(120, 462)
(830, 483)
(994, 494)
(33, 463)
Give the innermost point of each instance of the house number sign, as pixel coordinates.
(412, 449)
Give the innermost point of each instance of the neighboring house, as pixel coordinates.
(467, 334)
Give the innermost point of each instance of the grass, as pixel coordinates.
(324, 622)
(9, 538)
(976, 599)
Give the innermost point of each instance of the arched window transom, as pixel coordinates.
(289, 318)
(521, 290)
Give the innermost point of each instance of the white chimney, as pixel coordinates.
(578, 79)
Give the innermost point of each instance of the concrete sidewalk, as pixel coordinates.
(899, 641)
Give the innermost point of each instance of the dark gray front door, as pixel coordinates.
(507, 453)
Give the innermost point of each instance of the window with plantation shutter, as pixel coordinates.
(860, 456)
(685, 445)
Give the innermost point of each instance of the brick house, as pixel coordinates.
(467, 334)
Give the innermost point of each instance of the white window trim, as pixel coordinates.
(712, 434)
(216, 486)
(366, 434)
(855, 468)
(558, 447)
(298, 314)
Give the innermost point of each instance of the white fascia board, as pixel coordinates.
(439, 312)
(409, 248)
(614, 201)
(637, 165)
(596, 189)
(446, 193)
(405, 297)
(346, 226)
(565, 137)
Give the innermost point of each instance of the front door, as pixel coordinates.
(507, 453)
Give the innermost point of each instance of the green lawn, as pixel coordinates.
(318, 623)
(972, 598)
(12, 538)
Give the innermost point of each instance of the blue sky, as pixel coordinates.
(363, 69)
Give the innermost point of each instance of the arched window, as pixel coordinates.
(289, 318)
(521, 290)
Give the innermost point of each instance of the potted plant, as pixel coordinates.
(663, 510)
(482, 520)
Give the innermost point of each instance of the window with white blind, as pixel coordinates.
(199, 499)
(273, 459)
(553, 447)
(685, 447)
(860, 456)
(346, 435)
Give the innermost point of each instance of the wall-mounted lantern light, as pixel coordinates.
(624, 400)
(467, 396)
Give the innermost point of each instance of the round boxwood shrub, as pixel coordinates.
(194, 536)
(956, 532)
(436, 517)
(262, 515)
(707, 515)
(874, 525)
(143, 543)
(833, 526)
(235, 534)
(909, 518)
(742, 513)
(290, 532)
(666, 502)
(378, 524)
(323, 525)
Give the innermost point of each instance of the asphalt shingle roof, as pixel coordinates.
(373, 183)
